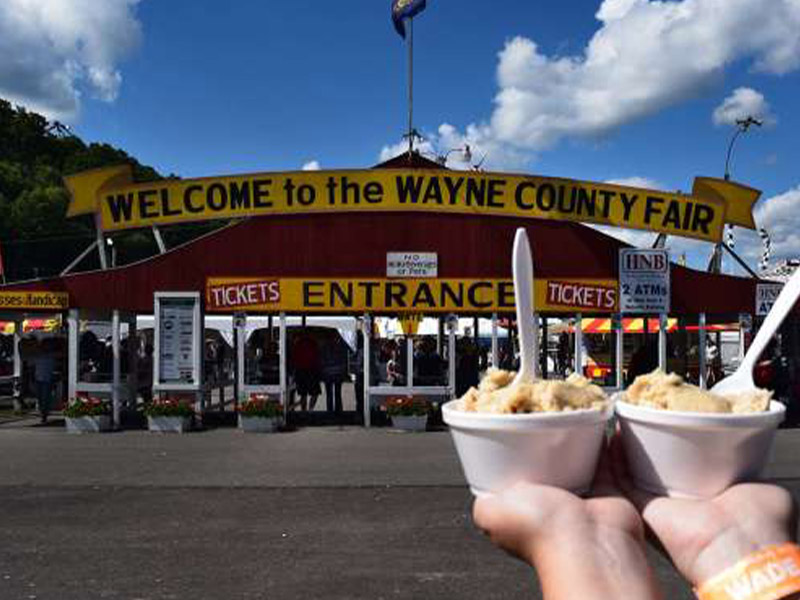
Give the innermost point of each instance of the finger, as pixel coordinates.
(485, 513)
(511, 520)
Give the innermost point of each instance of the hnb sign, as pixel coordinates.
(645, 261)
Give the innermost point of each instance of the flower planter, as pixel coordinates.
(410, 423)
(259, 424)
(88, 424)
(169, 424)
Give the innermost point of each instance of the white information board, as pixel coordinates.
(177, 340)
(644, 281)
(766, 294)
(412, 264)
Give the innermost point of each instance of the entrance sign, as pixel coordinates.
(644, 281)
(766, 294)
(122, 204)
(401, 296)
(178, 338)
(412, 264)
(34, 300)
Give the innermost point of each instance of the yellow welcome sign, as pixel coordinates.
(121, 204)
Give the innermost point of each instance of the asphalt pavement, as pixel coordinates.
(320, 512)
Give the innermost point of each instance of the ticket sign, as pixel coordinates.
(582, 295)
(644, 282)
(766, 294)
(34, 300)
(402, 296)
(412, 264)
(178, 340)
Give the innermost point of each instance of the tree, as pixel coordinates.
(37, 238)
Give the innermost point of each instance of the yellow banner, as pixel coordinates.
(404, 296)
(125, 206)
(34, 300)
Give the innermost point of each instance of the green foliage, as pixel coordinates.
(169, 407)
(87, 407)
(37, 240)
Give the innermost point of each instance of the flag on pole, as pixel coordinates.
(405, 9)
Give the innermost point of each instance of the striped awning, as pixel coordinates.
(634, 325)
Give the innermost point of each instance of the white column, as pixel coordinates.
(116, 379)
(133, 362)
(662, 342)
(578, 366)
(409, 361)
(283, 379)
(494, 340)
(101, 242)
(452, 324)
(620, 350)
(72, 353)
(240, 332)
(367, 334)
(537, 371)
(544, 362)
(17, 381)
(701, 350)
(742, 322)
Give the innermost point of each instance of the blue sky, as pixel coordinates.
(590, 89)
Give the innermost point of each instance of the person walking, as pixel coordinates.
(44, 366)
(334, 358)
(306, 368)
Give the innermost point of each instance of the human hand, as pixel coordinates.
(581, 548)
(704, 537)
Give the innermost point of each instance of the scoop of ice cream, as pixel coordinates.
(495, 394)
(670, 392)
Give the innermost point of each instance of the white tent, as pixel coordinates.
(346, 326)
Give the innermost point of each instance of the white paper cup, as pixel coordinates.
(499, 450)
(695, 455)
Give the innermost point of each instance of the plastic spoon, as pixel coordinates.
(522, 263)
(742, 378)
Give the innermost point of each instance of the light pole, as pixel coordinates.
(742, 125)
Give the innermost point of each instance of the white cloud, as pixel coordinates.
(780, 216)
(743, 102)
(634, 237)
(53, 50)
(645, 55)
(636, 181)
(488, 152)
(311, 165)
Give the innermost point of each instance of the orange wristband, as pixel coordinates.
(768, 574)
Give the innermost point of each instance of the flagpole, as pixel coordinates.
(410, 87)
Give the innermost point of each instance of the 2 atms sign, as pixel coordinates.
(120, 204)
